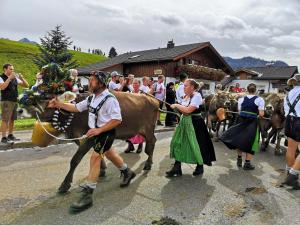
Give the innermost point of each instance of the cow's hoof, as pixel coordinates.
(263, 148)
(278, 152)
(102, 173)
(147, 166)
(64, 188)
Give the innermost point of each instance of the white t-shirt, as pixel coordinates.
(113, 86)
(258, 101)
(109, 111)
(195, 101)
(292, 95)
(160, 87)
(2, 81)
(180, 93)
(145, 89)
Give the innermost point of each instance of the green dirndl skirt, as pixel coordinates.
(184, 146)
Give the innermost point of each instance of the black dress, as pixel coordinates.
(203, 138)
(170, 98)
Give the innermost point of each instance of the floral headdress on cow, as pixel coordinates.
(55, 81)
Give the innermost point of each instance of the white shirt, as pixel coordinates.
(113, 86)
(292, 95)
(196, 100)
(2, 81)
(145, 89)
(109, 111)
(258, 101)
(180, 93)
(160, 87)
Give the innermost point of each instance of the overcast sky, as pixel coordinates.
(268, 29)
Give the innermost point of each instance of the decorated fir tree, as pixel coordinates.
(54, 49)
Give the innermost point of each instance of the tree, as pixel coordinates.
(54, 49)
(112, 52)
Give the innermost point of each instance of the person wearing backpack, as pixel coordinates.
(104, 117)
(292, 131)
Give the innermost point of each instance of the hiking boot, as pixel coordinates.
(128, 175)
(198, 170)
(85, 200)
(4, 140)
(248, 166)
(140, 148)
(292, 180)
(175, 171)
(239, 162)
(130, 148)
(11, 137)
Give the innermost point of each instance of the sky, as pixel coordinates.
(268, 29)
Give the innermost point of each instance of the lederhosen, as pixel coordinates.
(204, 142)
(292, 123)
(244, 135)
(104, 141)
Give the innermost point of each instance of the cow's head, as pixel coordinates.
(55, 84)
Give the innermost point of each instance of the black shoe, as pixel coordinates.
(128, 175)
(199, 170)
(140, 148)
(239, 162)
(175, 171)
(248, 166)
(130, 148)
(4, 140)
(292, 180)
(159, 123)
(11, 137)
(85, 200)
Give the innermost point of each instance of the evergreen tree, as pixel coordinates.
(54, 49)
(112, 52)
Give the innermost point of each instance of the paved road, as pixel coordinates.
(223, 195)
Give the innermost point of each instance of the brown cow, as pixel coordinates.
(275, 112)
(139, 115)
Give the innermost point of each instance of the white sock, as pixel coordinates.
(123, 167)
(294, 172)
(91, 185)
(287, 168)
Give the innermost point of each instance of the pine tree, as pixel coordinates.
(112, 52)
(54, 49)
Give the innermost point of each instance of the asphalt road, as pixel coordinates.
(223, 195)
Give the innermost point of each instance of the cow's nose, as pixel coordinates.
(20, 111)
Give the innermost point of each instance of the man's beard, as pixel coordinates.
(95, 90)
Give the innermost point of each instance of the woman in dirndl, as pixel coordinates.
(191, 142)
(244, 136)
(137, 139)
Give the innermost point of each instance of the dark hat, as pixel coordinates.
(101, 76)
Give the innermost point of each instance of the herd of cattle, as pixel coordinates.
(271, 126)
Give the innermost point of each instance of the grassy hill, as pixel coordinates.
(21, 54)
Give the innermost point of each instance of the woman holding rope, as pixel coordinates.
(191, 142)
(244, 136)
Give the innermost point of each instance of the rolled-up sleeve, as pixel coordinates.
(82, 106)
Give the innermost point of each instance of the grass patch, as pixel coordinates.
(24, 124)
(21, 54)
